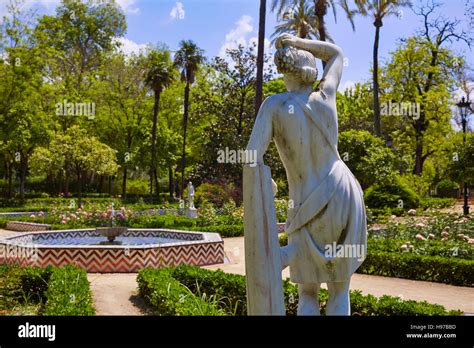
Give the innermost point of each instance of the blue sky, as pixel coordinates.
(217, 24)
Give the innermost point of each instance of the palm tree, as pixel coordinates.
(320, 9)
(160, 75)
(298, 21)
(188, 58)
(379, 9)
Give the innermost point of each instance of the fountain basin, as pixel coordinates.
(139, 248)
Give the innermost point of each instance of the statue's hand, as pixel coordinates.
(285, 40)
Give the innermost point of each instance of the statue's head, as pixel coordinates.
(297, 66)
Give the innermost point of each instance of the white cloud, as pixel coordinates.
(238, 35)
(128, 46)
(129, 6)
(177, 12)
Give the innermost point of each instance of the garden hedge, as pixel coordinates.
(168, 297)
(231, 288)
(68, 293)
(441, 269)
(55, 291)
(454, 271)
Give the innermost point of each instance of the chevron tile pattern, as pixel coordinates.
(20, 226)
(206, 251)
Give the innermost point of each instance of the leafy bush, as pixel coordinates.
(393, 195)
(367, 157)
(68, 293)
(213, 193)
(437, 203)
(168, 297)
(447, 189)
(233, 287)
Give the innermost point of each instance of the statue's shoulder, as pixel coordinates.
(276, 100)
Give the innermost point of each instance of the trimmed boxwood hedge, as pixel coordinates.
(168, 297)
(232, 287)
(68, 293)
(454, 271)
(440, 269)
(58, 291)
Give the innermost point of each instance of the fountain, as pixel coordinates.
(111, 232)
(124, 250)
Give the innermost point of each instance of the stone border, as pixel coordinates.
(23, 226)
(207, 250)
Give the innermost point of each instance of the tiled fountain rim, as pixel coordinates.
(207, 237)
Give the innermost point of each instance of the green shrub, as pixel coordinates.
(213, 193)
(226, 231)
(233, 287)
(439, 269)
(367, 156)
(34, 282)
(447, 189)
(437, 203)
(393, 195)
(68, 293)
(384, 258)
(168, 297)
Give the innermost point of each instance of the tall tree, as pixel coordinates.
(124, 103)
(379, 10)
(159, 76)
(188, 58)
(260, 56)
(76, 152)
(320, 8)
(297, 20)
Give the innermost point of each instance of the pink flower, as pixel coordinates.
(431, 236)
(447, 228)
(420, 237)
(420, 225)
(444, 234)
(412, 211)
(444, 239)
(471, 241)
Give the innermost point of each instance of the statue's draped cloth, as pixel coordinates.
(332, 215)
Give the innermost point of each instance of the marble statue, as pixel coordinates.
(326, 220)
(191, 211)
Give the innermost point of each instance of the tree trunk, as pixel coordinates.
(157, 185)
(110, 186)
(260, 57)
(10, 175)
(124, 183)
(418, 155)
(153, 140)
(23, 170)
(185, 125)
(377, 123)
(79, 191)
(171, 181)
(320, 10)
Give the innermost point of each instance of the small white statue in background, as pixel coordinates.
(191, 211)
(191, 195)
